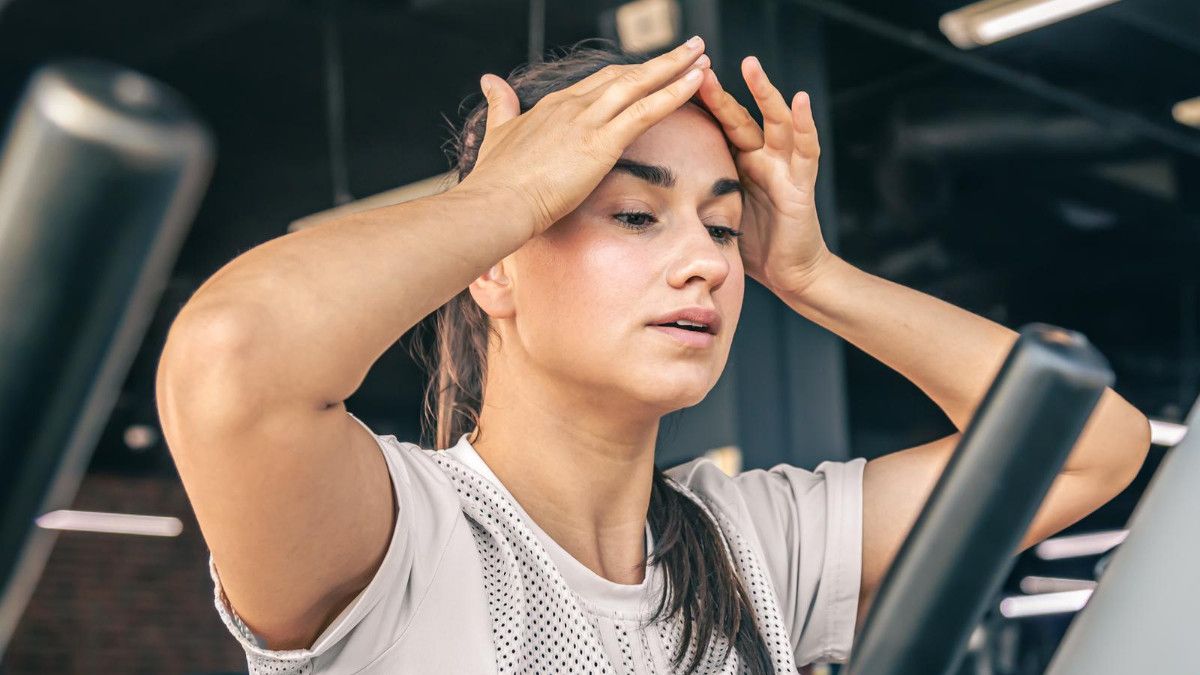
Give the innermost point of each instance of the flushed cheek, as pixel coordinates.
(585, 295)
(608, 283)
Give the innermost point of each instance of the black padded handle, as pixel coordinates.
(964, 540)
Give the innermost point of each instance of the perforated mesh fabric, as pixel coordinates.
(538, 624)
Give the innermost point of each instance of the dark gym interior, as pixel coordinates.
(1043, 178)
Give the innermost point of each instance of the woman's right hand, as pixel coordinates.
(557, 152)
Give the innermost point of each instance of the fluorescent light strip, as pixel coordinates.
(1020, 606)
(1187, 112)
(983, 23)
(1080, 545)
(1030, 16)
(1035, 585)
(115, 523)
(1166, 433)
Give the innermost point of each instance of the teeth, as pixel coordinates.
(683, 322)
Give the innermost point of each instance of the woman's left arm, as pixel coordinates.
(950, 354)
(953, 355)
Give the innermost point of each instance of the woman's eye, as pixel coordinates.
(640, 220)
(723, 234)
(635, 220)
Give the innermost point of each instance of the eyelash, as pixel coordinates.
(730, 234)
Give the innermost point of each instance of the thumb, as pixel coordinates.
(503, 104)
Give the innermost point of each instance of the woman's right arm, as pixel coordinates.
(293, 497)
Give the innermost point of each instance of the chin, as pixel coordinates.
(669, 393)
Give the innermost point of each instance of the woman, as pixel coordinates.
(587, 272)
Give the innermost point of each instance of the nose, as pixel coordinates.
(698, 256)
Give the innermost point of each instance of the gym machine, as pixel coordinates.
(101, 174)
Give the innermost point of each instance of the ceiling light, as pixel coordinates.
(1019, 606)
(1035, 585)
(1080, 545)
(647, 25)
(1187, 112)
(983, 23)
(115, 523)
(1166, 433)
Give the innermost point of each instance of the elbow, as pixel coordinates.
(1135, 448)
(201, 372)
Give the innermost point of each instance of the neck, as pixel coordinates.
(581, 472)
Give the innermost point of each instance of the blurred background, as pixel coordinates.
(1024, 172)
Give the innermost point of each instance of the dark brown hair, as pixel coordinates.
(702, 585)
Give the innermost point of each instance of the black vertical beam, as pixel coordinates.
(783, 394)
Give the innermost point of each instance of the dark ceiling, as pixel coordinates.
(1038, 179)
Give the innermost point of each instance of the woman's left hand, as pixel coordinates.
(782, 247)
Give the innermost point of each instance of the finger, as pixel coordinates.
(606, 75)
(740, 128)
(804, 129)
(502, 102)
(777, 119)
(648, 111)
(806, 151)
(642, 80)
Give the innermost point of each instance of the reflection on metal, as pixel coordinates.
(1080, 545)
(983, 23)
(1021, 606)
(404, 193)
(113, 523)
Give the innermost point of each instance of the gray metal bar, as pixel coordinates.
(101, 174)
(1142, 618)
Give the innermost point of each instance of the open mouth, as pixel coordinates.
(688, 325)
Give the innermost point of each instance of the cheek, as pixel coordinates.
(581, 287)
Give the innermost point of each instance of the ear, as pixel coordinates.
(493, 291)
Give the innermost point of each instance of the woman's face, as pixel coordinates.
(651, 239)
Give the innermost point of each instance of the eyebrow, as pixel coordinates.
(663, 177)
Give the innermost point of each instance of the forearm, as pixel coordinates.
(949, 353)
(316, 308)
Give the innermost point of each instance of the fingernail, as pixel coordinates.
(694, 42)
(703, 61)
(483, 84)
(692, 75)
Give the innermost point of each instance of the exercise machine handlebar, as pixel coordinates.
(965, 538)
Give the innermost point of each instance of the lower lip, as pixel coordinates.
(691, 338)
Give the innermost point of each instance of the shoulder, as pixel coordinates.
(411, 465)
(783, 481)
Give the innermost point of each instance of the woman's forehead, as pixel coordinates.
(689, 142)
